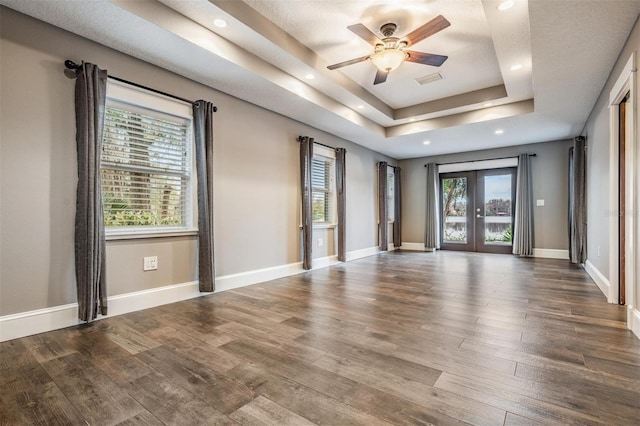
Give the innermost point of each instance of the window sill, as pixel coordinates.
(129, 235)
(323, 226)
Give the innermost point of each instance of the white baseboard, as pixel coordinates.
(42, 320)
(542, 253)
(48, 319)
(413, 246)
(359, 254)
(633, 320)
(601, 281)
(551, 253)
(323, 262)
(242, 279)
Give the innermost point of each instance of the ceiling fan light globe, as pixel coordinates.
(388, 60)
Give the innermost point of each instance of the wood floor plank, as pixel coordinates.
(622, 369)
(315, 406)
(128, 338)
(194, 327)
(199, 351)
(399, 338)
(143, 419)
(266, 412)
(19, 370)
(96, 397)
(515, 354)
(397, 410)
(226, 394)
(304, 353)
(516, 420)
(108, 356)
(283, 365)
(458, 407)
(496, 396)
(172, 404)
(389, 363)
(43, 405)
(47, 346)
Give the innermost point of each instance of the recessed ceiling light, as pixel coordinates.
(488, 104)
(360, 106)
(309, 76)
(499, 132)
(220, 23)
(426, 142)
(516, 67)
(508, 4)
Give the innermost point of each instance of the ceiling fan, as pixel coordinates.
(391, 51)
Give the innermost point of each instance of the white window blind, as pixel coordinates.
(146, 169)
(391, 182)
(323, 187)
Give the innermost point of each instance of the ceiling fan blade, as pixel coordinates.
(381, 77)
(425, 58)
(435, 25)
(349, 62)
(365, 34)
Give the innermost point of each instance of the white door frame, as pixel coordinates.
(626, 83)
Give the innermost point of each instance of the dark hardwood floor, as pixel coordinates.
(399, 338)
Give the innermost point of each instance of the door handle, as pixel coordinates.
(479, 216)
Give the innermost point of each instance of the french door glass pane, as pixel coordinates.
(454, 204)
(498, 228)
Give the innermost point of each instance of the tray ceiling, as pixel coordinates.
(269, 48)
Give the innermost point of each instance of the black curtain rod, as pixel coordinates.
(389, 165)
(73, 66)
(477, 161)
(317, 143)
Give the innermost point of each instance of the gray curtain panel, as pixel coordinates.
(432, 213)
(397, 224)
(342, 203)
(383, 218)
(203, 135)
(578, 220)
(91, 283)
(523, 226)
(306, 157)
(570, 204)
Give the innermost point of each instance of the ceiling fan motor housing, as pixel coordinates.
(388, 29)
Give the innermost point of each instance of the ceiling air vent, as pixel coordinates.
(429, 78)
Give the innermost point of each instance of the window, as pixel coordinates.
(146, 166)
(323, 186)
(391, 186)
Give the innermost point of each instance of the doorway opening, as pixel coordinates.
(478, 210)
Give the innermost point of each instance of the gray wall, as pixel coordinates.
(256, 186)
(549, 175)
(597, 132)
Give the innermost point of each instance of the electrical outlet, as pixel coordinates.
(540, 203)
(320, 242)
(150, 263)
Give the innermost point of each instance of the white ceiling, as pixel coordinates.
(566, 48)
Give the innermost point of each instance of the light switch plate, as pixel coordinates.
(540, 203)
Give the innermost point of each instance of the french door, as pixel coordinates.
(477, 210)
